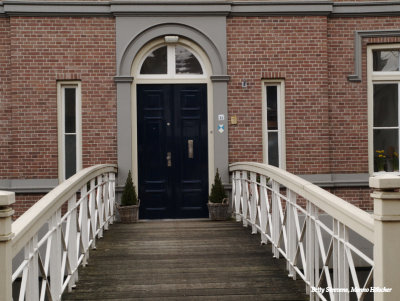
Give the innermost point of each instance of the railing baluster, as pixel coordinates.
(245, 197)
(83, 220)
(92, 213)
(310, 229)
(56, 273)
(100, 206)
(106, 201)
(335, 256)
(238, 202)
(31, 255)
(111, 195)
(291, 230)
(264, 209)
(316, 249)
(275, 218)
(253, 202)
(343, 263)
(72, 242)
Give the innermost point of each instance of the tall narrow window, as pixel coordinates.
(70, 160)
(383, 89)
(273, 124)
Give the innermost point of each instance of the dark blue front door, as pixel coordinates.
(172, 150)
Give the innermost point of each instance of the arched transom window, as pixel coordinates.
(171, 61)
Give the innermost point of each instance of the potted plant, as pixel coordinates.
(218, 206)
(129, 208)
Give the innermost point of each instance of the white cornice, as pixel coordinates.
(196, 7)
(281, 8)
(355, 9)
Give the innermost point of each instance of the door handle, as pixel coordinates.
(190, 149)
(169, 159)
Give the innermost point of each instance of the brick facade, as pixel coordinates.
(47, 50)
(5, 103)
(326, 115)
(292, 48)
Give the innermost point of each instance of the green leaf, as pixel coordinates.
(129, 196)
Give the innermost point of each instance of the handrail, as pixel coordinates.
(33, 219)
(346, 213)
(57, 232)
(309, 227)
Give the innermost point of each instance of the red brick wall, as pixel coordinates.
(47, 49)
(326, 115)
(23, 202)
(348, 102)
(293, 48)
(359, 196)
(5, 110)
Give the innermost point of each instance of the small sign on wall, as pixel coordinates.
(221, 128)
(221, 117)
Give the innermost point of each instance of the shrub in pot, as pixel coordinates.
(129, 208)
(218, 207)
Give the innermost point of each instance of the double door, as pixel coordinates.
(172, 150)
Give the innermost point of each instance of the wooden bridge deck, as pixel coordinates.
(184, 260)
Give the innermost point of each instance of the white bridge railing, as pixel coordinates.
(51, 239)
(325, 240)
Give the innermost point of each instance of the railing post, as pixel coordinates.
(275, 218)
(253, 202)
(71, 229)
(100, 206)
(84, 223)
(111, 192)
(6, 212)
(264, 209)
(291, 230)
(238, 193)
(386, 236)
(245, 198)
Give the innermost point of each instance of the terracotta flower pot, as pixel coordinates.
(129, 214)
(218, 211)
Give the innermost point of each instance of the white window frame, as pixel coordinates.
(381, 77)
(280, 84)
(61, 86)
(171, 71)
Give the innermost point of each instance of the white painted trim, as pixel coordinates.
(170, 61)
(173, 79)
(377, 77)
(355, 218)
(280, 84)
(61, 85)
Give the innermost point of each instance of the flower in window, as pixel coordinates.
(380, 160)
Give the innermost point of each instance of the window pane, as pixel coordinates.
(273, 150)
(386, 150)
(70, 104)
(385, 60)
(156, 62)
(272, 107)
(385, 105)
(70, 155)
(186, 62)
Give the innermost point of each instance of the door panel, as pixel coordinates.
(152, 138)
(172, 119)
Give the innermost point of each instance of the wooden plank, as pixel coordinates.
(184, 260)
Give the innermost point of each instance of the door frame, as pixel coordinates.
(205, 79)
